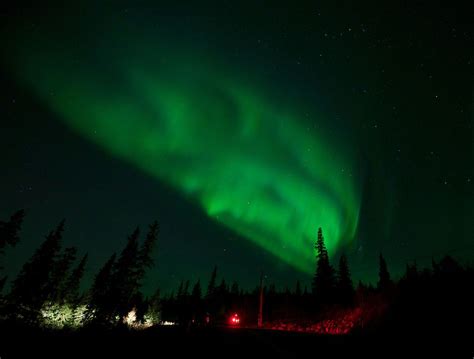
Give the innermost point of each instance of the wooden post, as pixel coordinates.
(260, 303)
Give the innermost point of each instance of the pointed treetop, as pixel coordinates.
(196, 293)
(384, 275)
(298, 288)
(211, 288)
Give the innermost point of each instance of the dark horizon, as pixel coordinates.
(153, 284)
(242, 130)
(228, 179)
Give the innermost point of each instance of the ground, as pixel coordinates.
(224, 343)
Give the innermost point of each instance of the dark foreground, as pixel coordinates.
(163, 342)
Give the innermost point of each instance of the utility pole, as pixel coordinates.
(260, 303)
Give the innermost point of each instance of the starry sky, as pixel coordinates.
(241, 129)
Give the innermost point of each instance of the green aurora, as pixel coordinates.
(224, 139)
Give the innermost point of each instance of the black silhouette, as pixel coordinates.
(434, 300)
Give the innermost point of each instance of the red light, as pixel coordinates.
(234, 319)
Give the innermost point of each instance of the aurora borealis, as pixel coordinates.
(247, 160)
(246, 140)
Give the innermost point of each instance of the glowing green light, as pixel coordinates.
(249, 160)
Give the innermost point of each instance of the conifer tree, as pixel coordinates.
(145, 254)
(211, 288)
(272, 289)
(324, 280)
(71, 292)
(9, 231)
(196, 303)
(154, 306)
(180, 289)
(186, 289)
(298, 288)
(99, 309)
(222, 289)
(385, 281)
(125, 279)
(234, 289)
(60, 272)
(196, 293)
(345, 287)
(33, 285)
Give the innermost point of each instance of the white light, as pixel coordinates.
(131, 318)
(60, 316)
(168, 323)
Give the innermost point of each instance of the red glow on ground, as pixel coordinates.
(342, 323)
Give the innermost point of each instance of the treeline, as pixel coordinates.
(47, 288)
(430, 297)
(47, 291)
(332, 289)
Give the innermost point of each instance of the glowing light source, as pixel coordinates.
(234, 319)
(166, 323)
(63, 316)
(130, 318)
(236, 147)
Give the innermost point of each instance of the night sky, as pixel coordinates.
(241, 129)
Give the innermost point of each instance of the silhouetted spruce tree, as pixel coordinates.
(145, 254)
(60, 272)
(180, 289)
(447, 267)
(211, 288)
(126, 273)
(345, 287)
(130, 273)
(71, 292)
(196, 293)
(99, 308)
(411, 273)
(298, 289)
(272, 289)
(222, 297)
(222, 289)
(140, 304)
(9, 236)
(186, 288)
(234, 289)
(32, 286)
(324, 279)
(154, 306)
(211, 295)
(384, 282)
(9, 231)
(196, 304)
(182, 303)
